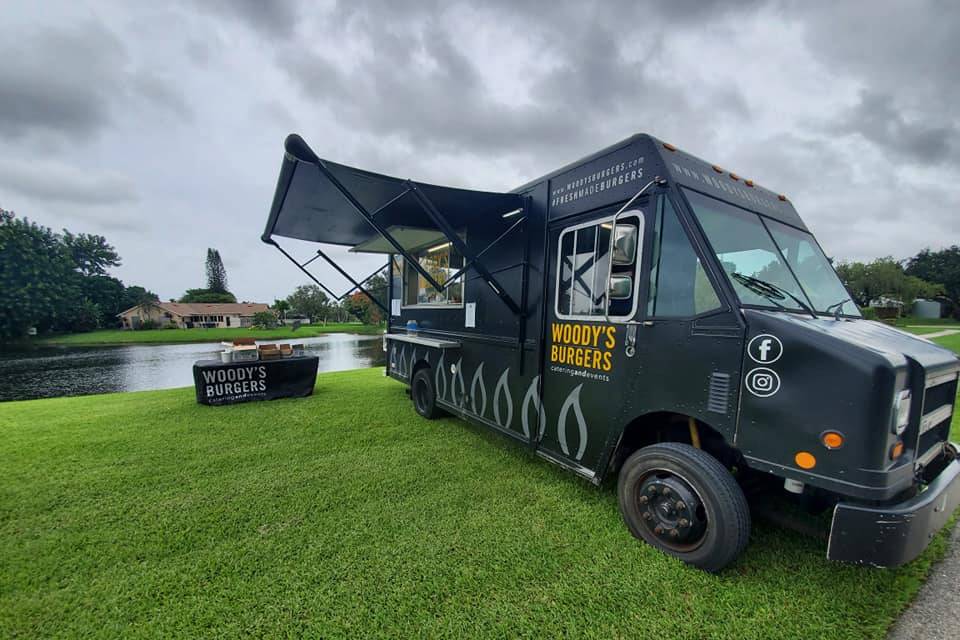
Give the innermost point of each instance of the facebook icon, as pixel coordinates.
(765, 348)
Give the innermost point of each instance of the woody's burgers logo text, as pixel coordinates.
(582, 345)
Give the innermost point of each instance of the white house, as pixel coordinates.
(186, 315)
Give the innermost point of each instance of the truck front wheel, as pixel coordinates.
(682, 501)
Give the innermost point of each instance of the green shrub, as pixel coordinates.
(869, 313)
(265, 320)
(86, 317)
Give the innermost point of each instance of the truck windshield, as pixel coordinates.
(775, 253)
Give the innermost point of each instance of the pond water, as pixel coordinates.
(49, 372)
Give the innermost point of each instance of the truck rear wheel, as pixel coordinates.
(423, 396)
(682, 501)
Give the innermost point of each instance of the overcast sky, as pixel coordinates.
(160, 125)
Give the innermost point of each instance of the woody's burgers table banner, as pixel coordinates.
(217, 382)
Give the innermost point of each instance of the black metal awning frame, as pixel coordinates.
(471, 259)
(357, 286)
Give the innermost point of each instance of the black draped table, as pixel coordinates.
(219, 382)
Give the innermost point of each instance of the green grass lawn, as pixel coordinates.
(921, 326)
(169, 336)
(346, 515)
(950, 342)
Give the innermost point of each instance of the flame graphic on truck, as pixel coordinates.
(532, 397)
(503, 389)
(440, 379)
(475, 401)
(456, 378)
(474, 384)
(572, 402)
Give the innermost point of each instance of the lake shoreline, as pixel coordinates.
(51, 371)
(120, 337)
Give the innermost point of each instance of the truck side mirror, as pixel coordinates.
(621, 287)
(625, 245)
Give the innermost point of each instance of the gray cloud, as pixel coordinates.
(55, 182)
(163, 126)
(877, 118)
(414, 82)
(162, 93)
(899, 57)
(273, 18)
(59, 79)
(71, 80)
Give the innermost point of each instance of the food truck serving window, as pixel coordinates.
(583, 265)
(440, 261)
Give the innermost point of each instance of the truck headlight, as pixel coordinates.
(901, 411)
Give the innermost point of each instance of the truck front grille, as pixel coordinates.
(938, 400)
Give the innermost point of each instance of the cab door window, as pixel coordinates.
(679, 286)
(584, 262)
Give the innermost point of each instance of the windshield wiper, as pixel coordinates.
(771, 291)
(839, 306)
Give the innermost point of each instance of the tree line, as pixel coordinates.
(932, 275)
(311, 303)
(58, 281)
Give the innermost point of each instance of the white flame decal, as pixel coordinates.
(478, 380)
(393, 357)
(402, 362)
(503, 389)
(413, 361)
(456, 378)
(533, 397)
(573, 400)
(440, 380)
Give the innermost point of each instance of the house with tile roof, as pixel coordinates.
(188, 315)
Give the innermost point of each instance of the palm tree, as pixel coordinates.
(281, 307)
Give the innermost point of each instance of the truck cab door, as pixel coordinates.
(589, 342)
(690, 344)
(666, 343)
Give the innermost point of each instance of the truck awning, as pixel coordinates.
(329, 203)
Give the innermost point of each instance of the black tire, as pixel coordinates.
(423, 396)
(717, 529)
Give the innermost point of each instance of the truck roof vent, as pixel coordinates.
(718, 392)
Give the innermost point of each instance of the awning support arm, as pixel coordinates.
(356, 285)
(467, 265)
(360, 209)
(333, 296)
(369, 277)
(302, 267)
(461, 247)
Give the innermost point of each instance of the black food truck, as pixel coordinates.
(644, 313)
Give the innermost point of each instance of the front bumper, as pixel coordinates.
(892, 535)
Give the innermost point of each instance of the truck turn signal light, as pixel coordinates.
(896, 450)
(832, 440)
(805, 460)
